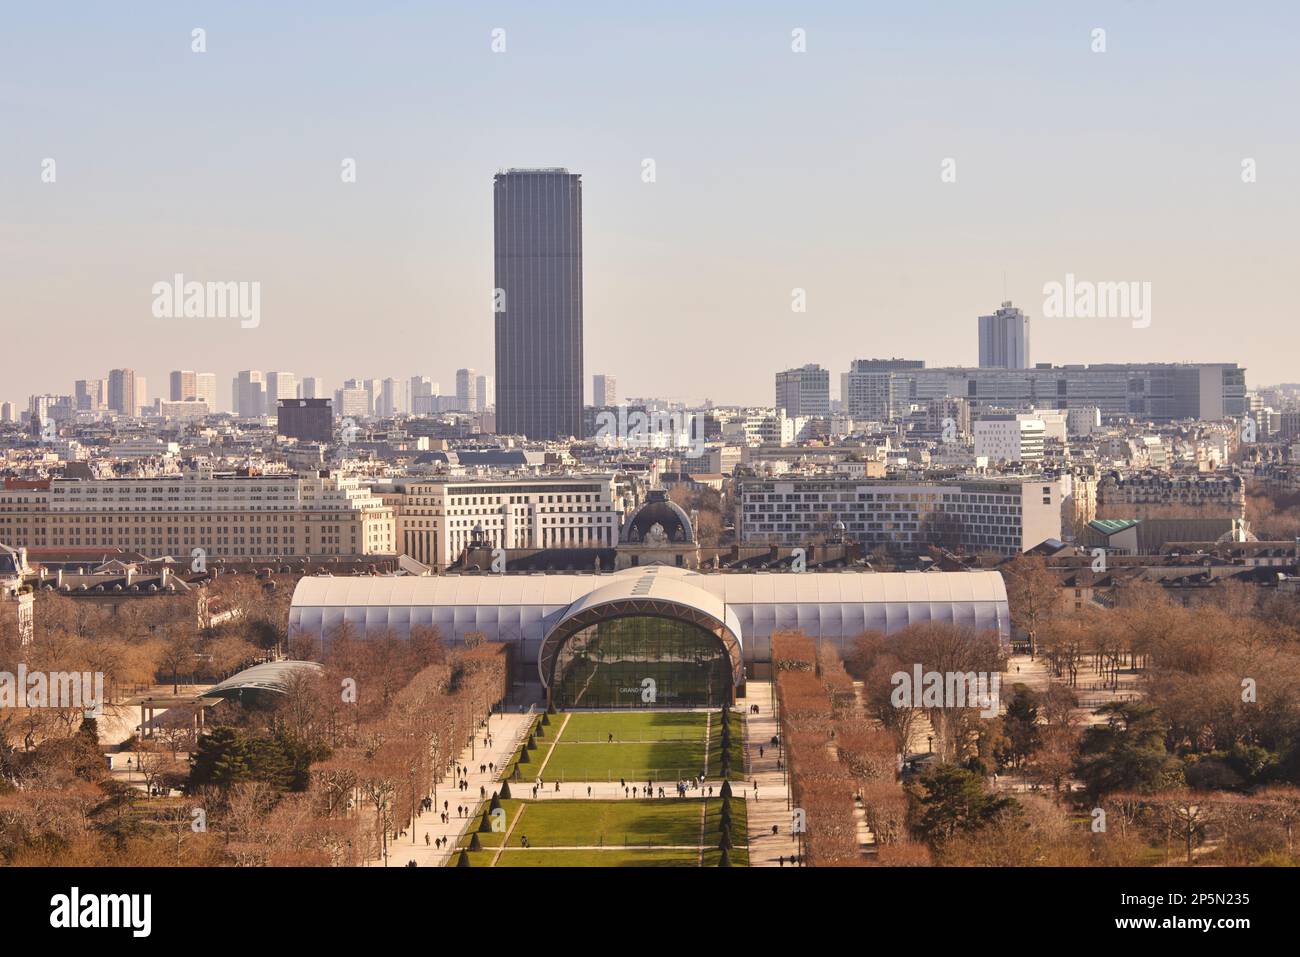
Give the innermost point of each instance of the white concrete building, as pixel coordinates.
(1007, 515)
(241, 514)
(1009, 438)
(436, 521)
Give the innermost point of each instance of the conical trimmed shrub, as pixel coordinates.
(463, 860)
(505, 790)
(495, 803)
(532, 743)
(724, 859)
(485, 825)
(724, 840)
(725, 791)
(523, 758)
(541, 732)
(474, 843)
(546, 719)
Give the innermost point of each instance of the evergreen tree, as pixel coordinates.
(949, 800)
(219, 760)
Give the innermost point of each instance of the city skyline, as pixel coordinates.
(705, 253)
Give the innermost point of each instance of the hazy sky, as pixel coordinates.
(775, 170)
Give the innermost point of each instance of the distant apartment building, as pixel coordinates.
(1160, 392)
(307, 420)
(1157, 494)
(466, 395)
(122, 391)
(186, 386)
(870, 392)
(51, 408)
(239, 514)
(248, 394)
(352, 402)
(183, 385)
(485, 388)
(437, 521)
(1009, 438)
(1006, 515)
(280, 385)
(390, 398)
(1083, 421)
(805, 391)
(90, 395)
(1289, 426)
(761, 428)
(205, 389)
(947, 420)
(1004, 339)
(187, 410)
(717, 459)
(604, 390)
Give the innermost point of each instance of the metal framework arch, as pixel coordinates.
(628, 607)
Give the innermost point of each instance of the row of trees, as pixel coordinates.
(813, 692)
(325, 774)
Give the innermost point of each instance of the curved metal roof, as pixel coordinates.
(654, 581)
(834, 606)
(654, 590)
(369, 591)
(270, 676)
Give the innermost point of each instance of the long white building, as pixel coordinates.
(437, 520)
(1007, 515)
(611, 629)
(241, 514)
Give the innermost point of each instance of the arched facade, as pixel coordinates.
(644, 639)
(540, 613)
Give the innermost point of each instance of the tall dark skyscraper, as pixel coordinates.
(538, 302)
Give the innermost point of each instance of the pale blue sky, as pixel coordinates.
(775, 170)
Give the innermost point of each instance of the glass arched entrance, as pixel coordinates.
(642, 661)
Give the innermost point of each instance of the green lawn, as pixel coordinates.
(629, 726)
(492, 838)
(662, 746)
(567, 823)
(662, 762)
(582, 826)
(528, 770)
